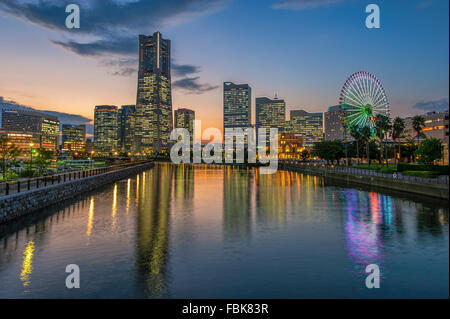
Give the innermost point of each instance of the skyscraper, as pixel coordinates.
(127, 122)
(154, 97)
(310, 125)
(73, 138)
(237, 105)
(335, 125)
(106, 129)
(270, 113)
(184, 118)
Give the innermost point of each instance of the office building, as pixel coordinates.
(46, 126)
(184, 118)
(106, 129)
(310, 125)
(127, 122)
(270, 113)
(237, 105)
(73, 138)
(335, 124)
(154, 98)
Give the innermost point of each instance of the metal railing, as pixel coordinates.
(443, 179)
(22, 185)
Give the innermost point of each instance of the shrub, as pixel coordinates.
(437, 169)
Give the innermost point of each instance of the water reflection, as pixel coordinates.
(154, 236)
(27, 264)
(153, 229)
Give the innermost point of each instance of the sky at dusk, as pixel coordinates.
(301, 50)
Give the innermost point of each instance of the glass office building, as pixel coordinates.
(310, 125)
(270, 113)
(73, 138)
(106, 129)
(127, 122)
(154, 98)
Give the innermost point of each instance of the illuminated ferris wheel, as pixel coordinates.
(363, 98)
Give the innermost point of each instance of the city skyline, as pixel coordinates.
(414, 85)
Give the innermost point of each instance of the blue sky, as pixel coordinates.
(302, 50)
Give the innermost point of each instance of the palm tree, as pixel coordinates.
(418, 124)
(397, 131)
(382, 127)
(366, 135)
(356, 134)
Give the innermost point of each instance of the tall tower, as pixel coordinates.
(154, 96)
(237, 106)
(105, 129)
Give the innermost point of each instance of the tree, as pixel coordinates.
(429, 150)
(418, 124)
(398, 127)
(304, 155)
(8, 151)
(382, 127)
(329, 150)
(366, 136)
(42, 159)
(356, 134)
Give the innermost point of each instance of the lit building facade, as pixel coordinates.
(335, 124)
(237, 105)
(436, 126)
(310, 125)
(127, 124)
(106, 129)
(184, 118)
(270, 113)
(73, 138)
(46, 126)
(290, 145)
(154, 98)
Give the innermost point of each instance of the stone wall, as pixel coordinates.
(15, 205)
(440, 191)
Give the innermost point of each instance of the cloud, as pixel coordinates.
(303, 4)
(105, 47)
(103, 17)
(437, 105)
(192, 85)
(184, 69)
(112, 27)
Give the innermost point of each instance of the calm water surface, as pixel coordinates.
(212, 232)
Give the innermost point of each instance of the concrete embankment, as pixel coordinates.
(15, 205)
(440, 191)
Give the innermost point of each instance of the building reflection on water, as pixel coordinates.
(153, 216)
(159, 205)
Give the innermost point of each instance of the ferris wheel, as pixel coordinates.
(363, 99)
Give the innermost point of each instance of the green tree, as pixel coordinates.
(42, 158)
(429, 150)
(366, 136)
(418, 124)
(398, 127)
(8, 151)
(304, 155)
(382, 127)
(329, 150)
(356, 135)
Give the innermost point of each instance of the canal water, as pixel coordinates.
(223, 232)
